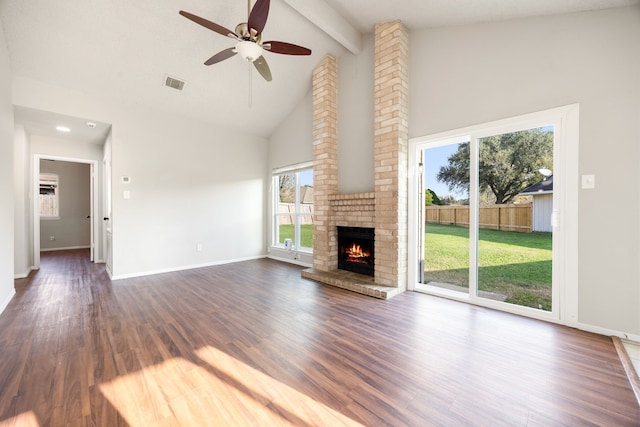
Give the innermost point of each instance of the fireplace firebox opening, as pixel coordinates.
(356, 249)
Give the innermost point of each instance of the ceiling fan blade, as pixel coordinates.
(258, 15)
(286, 48)
(263, 68)
(221, 56)
(208, 24)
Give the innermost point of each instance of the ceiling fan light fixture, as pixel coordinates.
(248, 50)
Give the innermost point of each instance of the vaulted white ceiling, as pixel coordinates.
(126, 48)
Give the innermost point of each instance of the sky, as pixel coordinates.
(306, 177)
(434, 159)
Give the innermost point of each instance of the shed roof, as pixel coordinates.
(542, 187)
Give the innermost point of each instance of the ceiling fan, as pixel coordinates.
(249, 39)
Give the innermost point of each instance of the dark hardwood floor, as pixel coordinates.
(253, 343)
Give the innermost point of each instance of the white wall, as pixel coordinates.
(23, 262)
(6, 177)
(473, 74)
(355, 120)
(292, 141)
(63, 147)
(191, 183)
(72, 228)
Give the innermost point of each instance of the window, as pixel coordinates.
(293, 208)
(49, 196)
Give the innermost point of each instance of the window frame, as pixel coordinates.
(296, 170)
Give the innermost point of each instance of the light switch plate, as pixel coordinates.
(588, 181)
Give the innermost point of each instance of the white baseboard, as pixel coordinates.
(5, 303)
(186, 267)
(290, 261)
(25, 274)
(67, 248)
(605, 331)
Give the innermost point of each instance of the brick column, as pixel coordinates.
(325, 162)
(390, 152)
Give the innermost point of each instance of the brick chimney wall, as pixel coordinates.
(386, 207)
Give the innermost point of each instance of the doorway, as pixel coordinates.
(71, 189)
(473, 197)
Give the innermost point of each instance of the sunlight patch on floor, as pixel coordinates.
(25, 419)
(220, 391)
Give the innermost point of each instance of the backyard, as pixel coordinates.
(306, 234)
(511, 264)
(515, 266)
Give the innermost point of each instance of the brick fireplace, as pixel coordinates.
(385, 208)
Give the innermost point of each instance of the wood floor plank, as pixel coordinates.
(253, 343)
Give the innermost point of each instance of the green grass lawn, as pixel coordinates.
(517, 265)
(306, 234)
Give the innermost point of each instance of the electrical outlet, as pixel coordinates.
(52, 238)
(199, 247)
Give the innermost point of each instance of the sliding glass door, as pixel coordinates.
(484, 215)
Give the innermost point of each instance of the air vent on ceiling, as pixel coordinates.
(173, 82)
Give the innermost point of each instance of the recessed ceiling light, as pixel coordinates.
(90, 125)
(63, 129)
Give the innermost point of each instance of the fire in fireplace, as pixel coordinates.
(355, 249)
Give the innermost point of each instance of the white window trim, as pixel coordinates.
(275, 201)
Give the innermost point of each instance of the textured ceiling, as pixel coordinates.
(125, 48)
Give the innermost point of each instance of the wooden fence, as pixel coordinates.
(495, 217)
(287, 213)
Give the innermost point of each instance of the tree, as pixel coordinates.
(508, 163)
(448, 200)
(287, 187)
(428, 198)
(435, 200)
